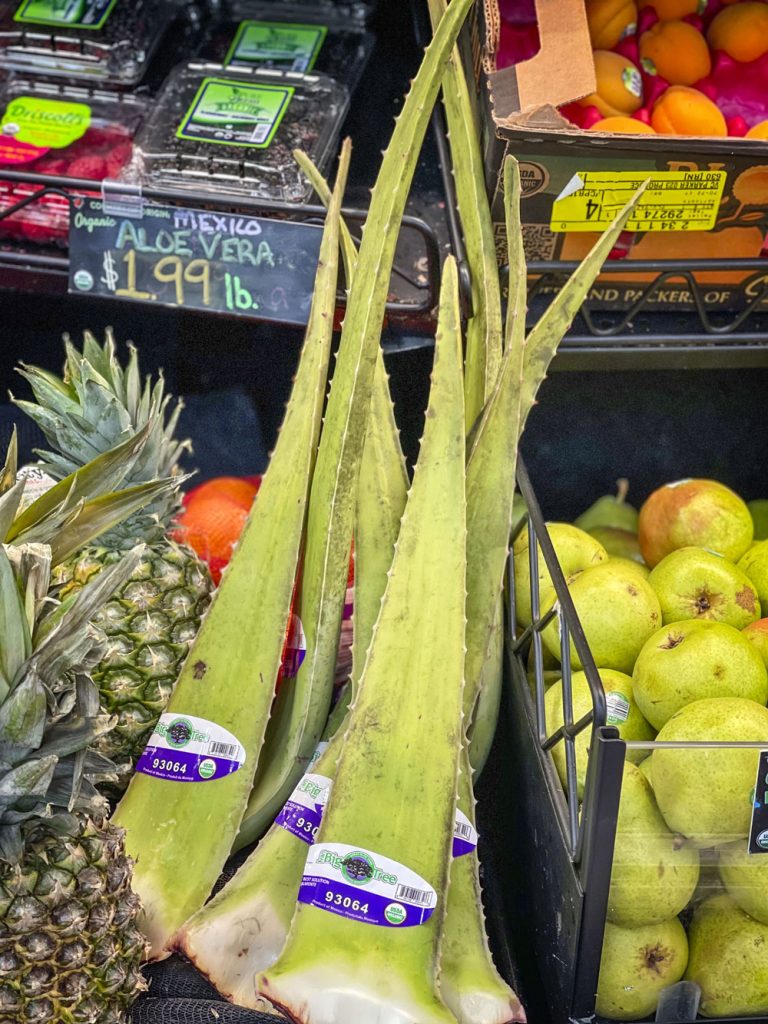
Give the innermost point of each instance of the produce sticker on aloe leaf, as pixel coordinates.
(233, 113)
(88, 14)
(276, 44)
(365, 886)
(184, 748)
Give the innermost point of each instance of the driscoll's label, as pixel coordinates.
(30, 126)
(364, 886)
(189, 749)
(235, 113)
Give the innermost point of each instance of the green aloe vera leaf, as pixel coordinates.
(485, 714)
(493, 455)
(101, 474)
(180, 834)
(387, 798)
(482, 360)
(381, 490)
(469, 983)
(301, 708)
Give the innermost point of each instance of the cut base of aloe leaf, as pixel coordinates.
(341, 999)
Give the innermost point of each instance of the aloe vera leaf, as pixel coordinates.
(381, 490)
(469, 983)
(485, 714)
(386, 797)
(178, 834)
(493, 456)
(482, 360)
(301, 708)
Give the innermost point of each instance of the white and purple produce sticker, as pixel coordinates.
(185, 748)
(365, 886)
(303, 811)
(464, 835)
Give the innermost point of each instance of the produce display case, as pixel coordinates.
(548, 855)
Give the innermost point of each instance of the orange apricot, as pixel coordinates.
(609, 21)
(677, 51)
(758, 131)
(619, 85)
(684, 111)
(741, 31)
(673, 10)
(622, 126)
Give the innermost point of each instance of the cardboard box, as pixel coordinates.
(710, 196)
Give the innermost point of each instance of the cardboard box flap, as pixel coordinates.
(563, 70)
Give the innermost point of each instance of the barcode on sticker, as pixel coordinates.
(617, 708)
(260, 132)
(407, 894)
(462, 831)
(223, 749)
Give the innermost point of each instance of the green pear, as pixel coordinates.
(618, 611)
(645, 767)
(575, 550)
(692, 583)
(612, 510)
(622, 712)
(755, 565)
(640, 568)
(706, 793)
(757, 634)
(758, 509)
(688, 661)
(621, 543)
(728, 959)
(699, 513)
(746, 878)
(654, 871)
(636, 965)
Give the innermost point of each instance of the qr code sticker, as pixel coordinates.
(539, 242)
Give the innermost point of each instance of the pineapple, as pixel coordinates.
(70, 947)
(151, 622)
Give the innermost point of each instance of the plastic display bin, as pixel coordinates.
(288, 37)
(106, 41)
(227, 130)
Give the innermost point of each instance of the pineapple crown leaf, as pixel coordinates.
(98, 405)
(8, 472)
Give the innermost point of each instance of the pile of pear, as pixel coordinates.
(673, 600)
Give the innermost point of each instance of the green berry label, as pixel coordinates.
(277, 44)
(88, 14)
(235, 113)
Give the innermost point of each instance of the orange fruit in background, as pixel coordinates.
(672, 10)
(619, 85)
(758, 131)
(213, 518)
(622, 126)
(609, 21)
(741, 31)
(677, 50)
(684, 111)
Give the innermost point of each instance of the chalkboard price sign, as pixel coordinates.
(758, 833)
(195, 259)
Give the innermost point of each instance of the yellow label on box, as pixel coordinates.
(672, 201)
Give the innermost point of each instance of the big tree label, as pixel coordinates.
(195, 259)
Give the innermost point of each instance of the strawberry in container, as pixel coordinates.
(60, 132)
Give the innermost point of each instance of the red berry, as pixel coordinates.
(56, 165)
(94, 168)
